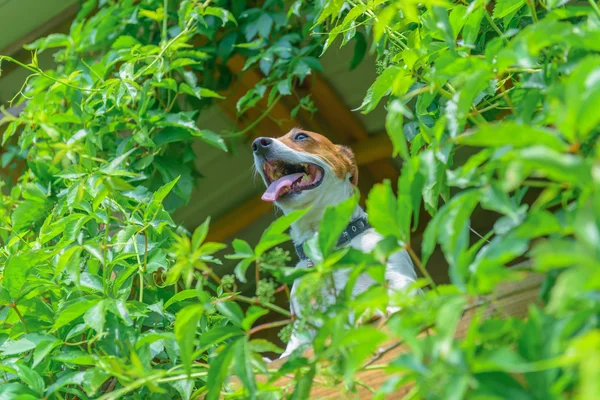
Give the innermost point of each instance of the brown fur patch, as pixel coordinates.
(340, 158)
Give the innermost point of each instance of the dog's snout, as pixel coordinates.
(261, 145)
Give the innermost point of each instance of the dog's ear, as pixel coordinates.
(348, 155)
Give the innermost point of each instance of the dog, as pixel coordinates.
(304, 169)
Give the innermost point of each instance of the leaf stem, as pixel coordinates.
(493, 24)
(531, 5)
(269, 325)
(595, 7)
(421, 267)
(165, 20)
(256, 121)
(14, 307)
(38, 70)
(270, 306)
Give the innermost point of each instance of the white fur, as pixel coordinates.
(399, 268)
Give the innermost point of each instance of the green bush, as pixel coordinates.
(102, 296)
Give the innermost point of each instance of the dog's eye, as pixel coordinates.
(301, 136)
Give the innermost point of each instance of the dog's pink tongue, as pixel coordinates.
(275, 188)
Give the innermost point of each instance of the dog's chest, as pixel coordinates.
(328, 291)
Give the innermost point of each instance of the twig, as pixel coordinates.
(531, 5)
(381, 352)
(493, 24)
(421, 267)
(269, 325)
(256, 121)
(38, 70)
(594, 7)
(165, 20)
(270, 306)
(14, 307)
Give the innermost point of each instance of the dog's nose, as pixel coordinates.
(261, 145)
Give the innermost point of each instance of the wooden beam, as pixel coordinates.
(373, 150)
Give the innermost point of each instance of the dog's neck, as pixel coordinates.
(307, 226)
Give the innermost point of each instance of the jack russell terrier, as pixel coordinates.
(304, 169)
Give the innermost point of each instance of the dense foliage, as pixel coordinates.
(488, 104)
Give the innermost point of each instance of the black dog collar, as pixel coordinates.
(353, 229)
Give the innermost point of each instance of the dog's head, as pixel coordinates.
(304, 168)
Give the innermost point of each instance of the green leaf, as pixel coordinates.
(200, 234)
(513, 134)
(15, 274)
(31, 378)
(76, 357)
(384, 20)
(125, 42)
(95, 251)
(381, 207)
(242, 250)
(218, 371)
(210, 248)
(443, 24)
(182, 62)
(273, 235)
(243, 366)
(500, 385)
(303, 385)
(29, 213)
(220, 13)
(284, 87)
(335, 219)
(381, 87)
(164, 190)
(4, 297)
(472, 25)
(504, 7)
(360, 48)
(167, 83)
(573, 103)
(501, 359)
(26, 342)
(563, 168)
(394, 125)
(69, 378)
(95, 317)
(451, 228)
(10, 130)
(51, 41)
(72, 310)
(183, 295)
(211, 138)
(186, 323)
(252, 314)
(263, 345)
(231, 311)
(42, 350)
(241, 268)
(199, 92)
(217, 335)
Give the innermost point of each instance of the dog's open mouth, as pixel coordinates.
(284, 178)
